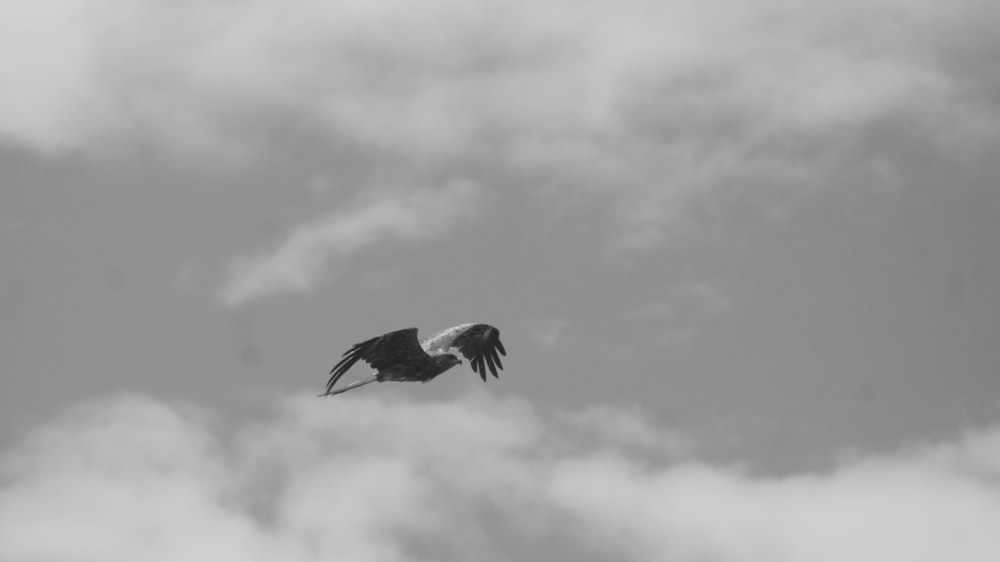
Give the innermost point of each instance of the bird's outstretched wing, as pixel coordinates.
(479, 344)
(394, 348)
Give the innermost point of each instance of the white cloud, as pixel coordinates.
(363, 478)
(645, 109)
(902, 507)
(629, 428)
(305, 256)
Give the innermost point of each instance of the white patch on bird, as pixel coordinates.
(441, 342)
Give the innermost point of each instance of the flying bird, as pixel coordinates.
(400, 356)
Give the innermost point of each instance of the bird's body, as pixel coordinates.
(400, 356)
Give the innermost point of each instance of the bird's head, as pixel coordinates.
(447, 360)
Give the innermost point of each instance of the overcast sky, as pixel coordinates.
(744, 257)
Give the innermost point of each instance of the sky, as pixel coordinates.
(743, 258)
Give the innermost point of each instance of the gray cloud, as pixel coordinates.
(307, 253)
(373, 479)
(644, 109)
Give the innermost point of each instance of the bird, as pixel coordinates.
(400, 356)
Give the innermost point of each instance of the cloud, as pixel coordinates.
(896, 507)
(655, 112)
(628, 427)
(372, 479)
(305, 256)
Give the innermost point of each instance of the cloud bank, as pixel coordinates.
(645, 109)
(373, 479)
(439, 78)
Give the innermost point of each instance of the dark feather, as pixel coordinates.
(395, 348)
(479, 344)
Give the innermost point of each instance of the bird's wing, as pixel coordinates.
(394, 348)
(479, 344)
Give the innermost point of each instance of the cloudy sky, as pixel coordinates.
(744, 258)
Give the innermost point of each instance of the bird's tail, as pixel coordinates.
(353, 385)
